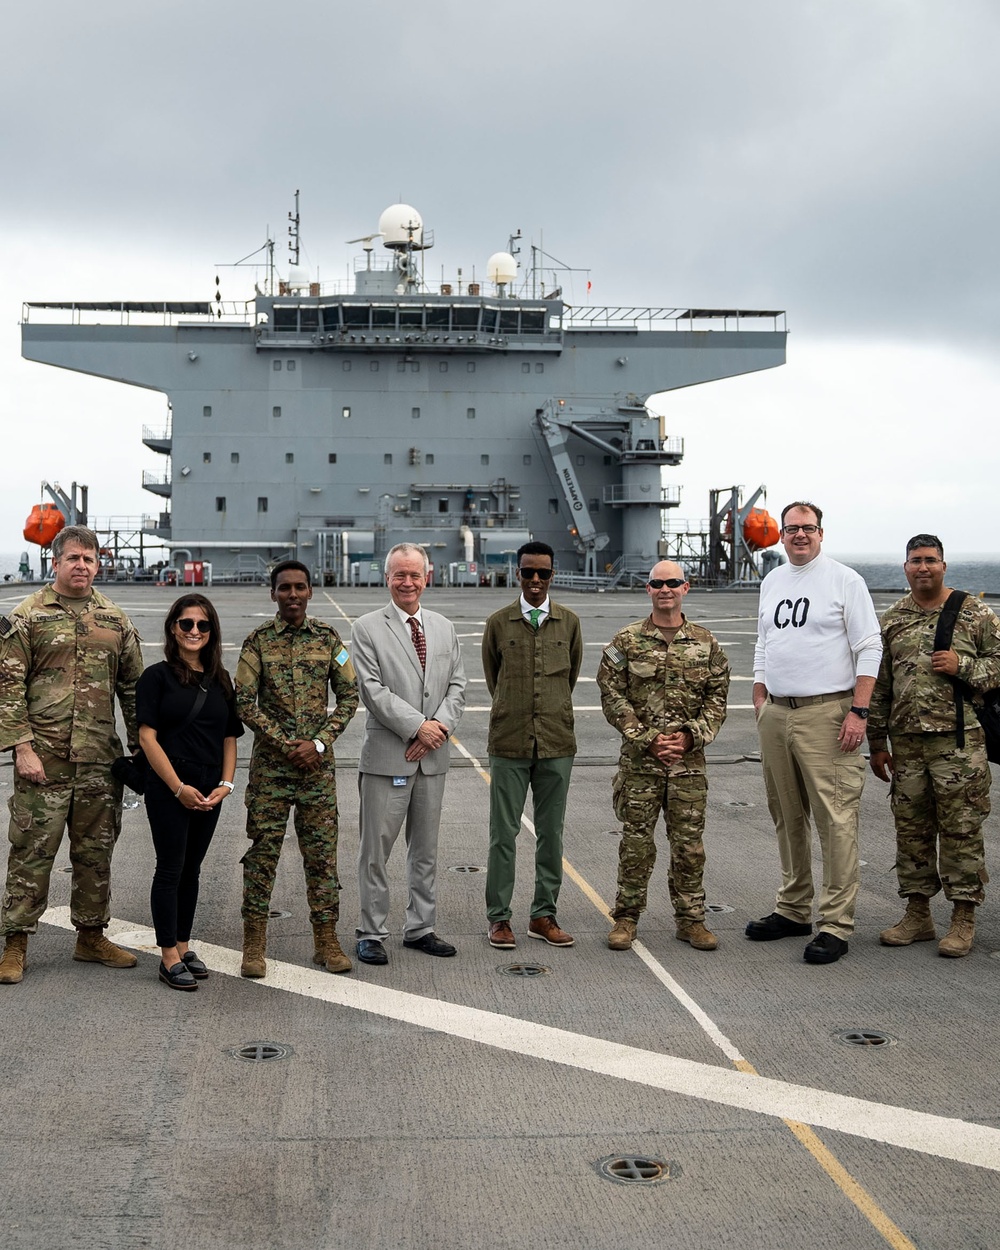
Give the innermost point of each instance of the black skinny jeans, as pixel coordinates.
(181, 839)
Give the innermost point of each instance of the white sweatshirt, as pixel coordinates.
(817, 630)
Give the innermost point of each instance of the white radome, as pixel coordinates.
(501, 268)
(395, 223)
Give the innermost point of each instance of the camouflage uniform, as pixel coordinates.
(649, 688)
(60, 672)
(940, 791)
(281, 693)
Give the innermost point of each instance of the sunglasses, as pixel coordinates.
(528, 574)
(185, 624)
(658, 583)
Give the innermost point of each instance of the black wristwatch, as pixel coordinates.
(860, 711)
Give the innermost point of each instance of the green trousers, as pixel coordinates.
(549, 783)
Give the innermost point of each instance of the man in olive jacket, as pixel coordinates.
(532, 652)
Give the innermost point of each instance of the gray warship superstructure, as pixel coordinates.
(329, 425)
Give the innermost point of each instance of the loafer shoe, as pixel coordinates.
(178, 977)
(431, 944)
(546, 930)
(825, 948)
(194, 965)
(776, 926)
(372, 952)
(501, 935)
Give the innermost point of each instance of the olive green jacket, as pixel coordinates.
(531, 678)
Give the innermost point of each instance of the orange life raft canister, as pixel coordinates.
(43, 524)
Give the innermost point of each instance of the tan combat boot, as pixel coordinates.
(694, 931)
(12, 964)
(254, 946)
(916, 925)
(958, 940)
(92, 947)
(328, 952)
(622, 935)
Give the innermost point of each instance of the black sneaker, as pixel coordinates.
(825, 948)
(776, 926)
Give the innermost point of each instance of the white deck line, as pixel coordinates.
(938, 1136)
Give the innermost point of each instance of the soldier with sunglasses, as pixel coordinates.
(664, 683)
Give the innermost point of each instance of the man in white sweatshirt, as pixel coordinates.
(815, 663)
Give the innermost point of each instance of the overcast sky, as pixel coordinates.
(837, 160)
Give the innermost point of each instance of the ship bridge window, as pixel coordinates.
(489, 321)
(331, 458)
(207, 410)
(387, 458)
(415, 414)
(442, 366)
(438, 318)
(429, 458)
(220, 503)
(442, 505)
(309, 319)
(355, 316)
(532, 321)
(331, 318)
(539, 367)
(261, 503)
(470, 414)
(345, 412)
(286, 319)
(276, 411)
(484, 458)
(553, 505)
(234, 457)
(289, 457)
(465, 318)
(412, 318)
(346, 366)
(525, 366)
(276, 366)
(290, 366)
(206, 457)
(384, 318)
(509, 319)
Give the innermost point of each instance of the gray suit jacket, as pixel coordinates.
(399, 695)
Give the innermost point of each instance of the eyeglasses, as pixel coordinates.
(186, 623)
(794, 529)
(929, 561)
(528, 574)
(658, 583)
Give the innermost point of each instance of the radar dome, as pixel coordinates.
(501, 268)
(298, 276)
(396, 224)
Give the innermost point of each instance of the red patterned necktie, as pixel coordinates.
(419, 642)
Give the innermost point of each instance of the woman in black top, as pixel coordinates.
(188, 728)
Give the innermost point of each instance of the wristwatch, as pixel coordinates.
(860, 711)
(320, 747)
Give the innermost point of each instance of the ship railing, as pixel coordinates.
(622, 317)
(137, 312)
(631, 493)
(448, 521)
(151, 479)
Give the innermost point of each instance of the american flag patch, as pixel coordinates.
(614, 655)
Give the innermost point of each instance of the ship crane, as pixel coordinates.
(586, 538)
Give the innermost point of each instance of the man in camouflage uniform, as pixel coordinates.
(65, 653)
(285, 668)
(663, 683)
(940, 789)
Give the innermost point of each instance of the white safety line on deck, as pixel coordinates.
(940, 1136)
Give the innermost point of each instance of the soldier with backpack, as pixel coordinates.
(938, 763)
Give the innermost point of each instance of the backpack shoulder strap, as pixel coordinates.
(942, 642)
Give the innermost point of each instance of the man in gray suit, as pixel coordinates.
(409, 668)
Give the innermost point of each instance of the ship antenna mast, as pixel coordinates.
(293, 231)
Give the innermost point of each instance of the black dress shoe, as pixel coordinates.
(371, 951)
(825, 948)
(431, 944)
(178, 977)
(776, 926)
(194, 965)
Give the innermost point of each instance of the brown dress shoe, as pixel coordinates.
(501, 935)
(546, 930)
